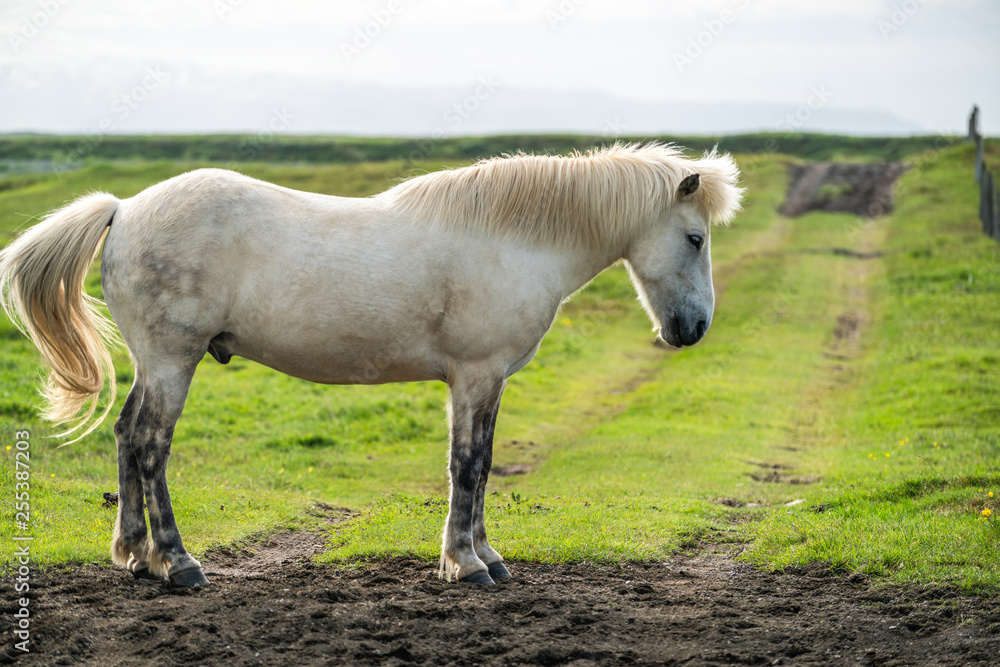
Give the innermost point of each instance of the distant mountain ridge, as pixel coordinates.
(192, 101)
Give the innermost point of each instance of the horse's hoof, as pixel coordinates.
(192, 578)
(499, 571)
(479, 577)
(146, 577)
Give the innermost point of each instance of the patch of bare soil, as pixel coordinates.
(774, 477)
(845, 252)
(848, 328)
(861, 189)
(273, 552)
(702, 610)
(511, 470)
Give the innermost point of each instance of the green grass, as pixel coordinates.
(915, 449)
(630, 448)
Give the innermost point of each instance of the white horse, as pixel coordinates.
(453, 276)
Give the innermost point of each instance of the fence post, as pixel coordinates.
(979, 158)
(989, 196)
(996, 211)
(991, 213)
(985, 197)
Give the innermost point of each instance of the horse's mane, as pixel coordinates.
(592, 199)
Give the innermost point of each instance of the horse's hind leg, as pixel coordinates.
(130, 544)
(147, 431)
(494, 562)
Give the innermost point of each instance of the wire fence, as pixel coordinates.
(989, 198)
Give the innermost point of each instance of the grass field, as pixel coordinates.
(18, 152)
(841, 409)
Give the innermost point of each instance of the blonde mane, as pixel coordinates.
(602, 197)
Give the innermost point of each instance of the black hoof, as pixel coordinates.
(499, 571)
(479, 577)
(193, 578)
(147, 577)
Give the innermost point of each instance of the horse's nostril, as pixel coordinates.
(702, 328)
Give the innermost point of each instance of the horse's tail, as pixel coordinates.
(41, 291)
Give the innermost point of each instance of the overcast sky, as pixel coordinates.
(924, 62)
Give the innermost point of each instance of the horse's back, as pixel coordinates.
(330, 289)
(309, 284)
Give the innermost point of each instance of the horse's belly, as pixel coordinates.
(367, 372)
(343, 362)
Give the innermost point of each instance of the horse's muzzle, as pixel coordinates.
(680, 332)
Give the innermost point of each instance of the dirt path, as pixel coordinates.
(263, 608)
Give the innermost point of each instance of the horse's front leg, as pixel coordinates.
(472, 401)
(494, 561)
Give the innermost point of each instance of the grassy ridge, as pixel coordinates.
(816, 366)
(63, 152)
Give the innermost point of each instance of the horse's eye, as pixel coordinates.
(695, 240)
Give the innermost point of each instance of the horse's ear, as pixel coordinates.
(688, 186)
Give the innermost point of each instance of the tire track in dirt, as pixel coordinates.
(812, 424)
(865, 190)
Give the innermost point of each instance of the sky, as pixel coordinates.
(215, 65)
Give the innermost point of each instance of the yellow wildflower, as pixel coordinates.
(987, 512)
(887, 455)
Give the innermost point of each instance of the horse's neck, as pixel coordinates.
(566, 269)
(582, 266)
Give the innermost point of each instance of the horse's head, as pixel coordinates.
(671, 266)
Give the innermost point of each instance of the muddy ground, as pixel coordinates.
(269, 606)
(861, 189)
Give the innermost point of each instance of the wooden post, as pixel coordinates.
(974, 123)
(984, 205)
(996, 211)
(989, 220)
(989, 196)
(979, 158)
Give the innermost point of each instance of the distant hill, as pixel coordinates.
(192, 101)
